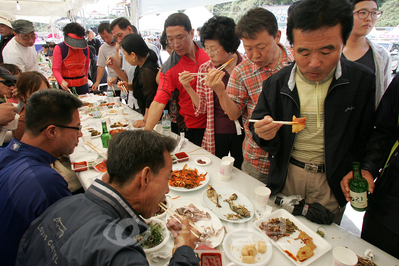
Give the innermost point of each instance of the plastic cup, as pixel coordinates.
(230, 160)
(344, 257)
(262, 195)
(225, 171)
(13, 125)
(86, 137)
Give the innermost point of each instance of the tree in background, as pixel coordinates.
(390, 16)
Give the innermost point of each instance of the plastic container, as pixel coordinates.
(79, 166)
(181, 156)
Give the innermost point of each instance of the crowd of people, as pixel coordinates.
(223, 100)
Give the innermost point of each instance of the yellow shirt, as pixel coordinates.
(309, 143)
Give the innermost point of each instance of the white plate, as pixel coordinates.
(237, 239)
(205, 159)
(111, 113)
(200, 171)
(289, 243)
(225, 193)
(166, 235)
(214, 222)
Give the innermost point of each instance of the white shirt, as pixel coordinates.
(106, 50)
(23, 57)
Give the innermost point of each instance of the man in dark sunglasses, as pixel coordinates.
(28, 184)
(7, 83)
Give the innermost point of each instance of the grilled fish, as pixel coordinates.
(213, 196)
(241, 210)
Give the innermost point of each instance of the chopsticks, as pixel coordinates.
(276, 122)
(100, 152)
(179, 217)
(219, 68)
(195, 150)
(5, 98)
(124, 89)
(70, 91)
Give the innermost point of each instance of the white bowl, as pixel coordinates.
(168, 204)
(235, 240)
(166, 235)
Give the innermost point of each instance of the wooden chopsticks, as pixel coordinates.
(124, 89)
(220, 68)
(195, 150)
(179, 218)
(5, 98)
(276, 122)
(100, 152)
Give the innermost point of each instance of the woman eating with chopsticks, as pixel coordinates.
(144, 85)
(221, 43)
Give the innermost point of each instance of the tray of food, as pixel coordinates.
(187, 178)
(247, 246)
(212, 228)
(295, 240)
(228, 204)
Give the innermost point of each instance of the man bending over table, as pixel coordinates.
(99, 227)
(335, 95)
(28, 185)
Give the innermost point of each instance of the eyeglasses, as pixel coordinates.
(178, 40)
(211, 51)
(76, 128)
(8, 83)
(364, 13)
(23, 37)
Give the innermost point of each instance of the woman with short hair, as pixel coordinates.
(221, 135)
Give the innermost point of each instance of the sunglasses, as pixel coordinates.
(8, 83)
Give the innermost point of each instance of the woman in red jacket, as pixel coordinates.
(71, 59)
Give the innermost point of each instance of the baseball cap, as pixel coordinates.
(23, 26)
(6, 18)
(5, 74)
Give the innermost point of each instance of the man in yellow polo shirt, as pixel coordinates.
(335, 95)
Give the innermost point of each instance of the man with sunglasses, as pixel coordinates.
(7, 83)
(28, 185)
(20, 50)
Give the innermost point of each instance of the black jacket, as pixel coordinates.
(384, 202)
(95, 228)
(348, 111)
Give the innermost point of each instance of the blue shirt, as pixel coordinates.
(28, 186)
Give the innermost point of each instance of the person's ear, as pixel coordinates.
(51, 132)
(145, 177)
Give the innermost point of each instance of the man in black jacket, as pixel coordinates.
(335, 95)
(380, 221)
(101, 226)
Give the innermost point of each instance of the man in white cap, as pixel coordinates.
(20, 50)
(6, 31)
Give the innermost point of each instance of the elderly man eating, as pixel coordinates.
(100, 226)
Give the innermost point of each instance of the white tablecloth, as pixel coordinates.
(245, 184)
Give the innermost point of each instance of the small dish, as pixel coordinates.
(182, 156)
(202, 161)
(165, 233)
(79, 166)
(101, 167)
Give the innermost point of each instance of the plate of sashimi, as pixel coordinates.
(211, 228)
(228, 204)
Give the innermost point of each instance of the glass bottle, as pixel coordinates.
(105, 136)
(96, 110)
(166, 123)
(358, 188)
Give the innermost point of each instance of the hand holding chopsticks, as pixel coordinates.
(275, 122)
(220, 68)
(179, 218)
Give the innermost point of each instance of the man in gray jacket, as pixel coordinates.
(100, 226)
(336, 96)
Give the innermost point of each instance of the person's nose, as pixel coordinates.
(314, 61)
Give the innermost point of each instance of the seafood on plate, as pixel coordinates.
(213, 195)
(277, 228)
(241, 211)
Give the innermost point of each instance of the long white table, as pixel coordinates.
(335, 235)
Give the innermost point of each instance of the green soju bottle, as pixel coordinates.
(74, 92)
(358, 188)
(105, 136)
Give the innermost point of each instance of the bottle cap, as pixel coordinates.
(165, 111)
